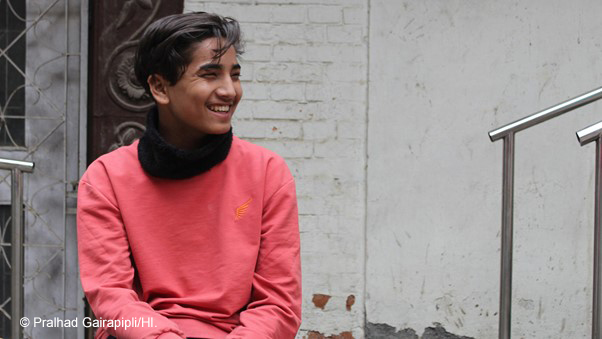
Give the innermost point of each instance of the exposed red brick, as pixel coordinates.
(314, 335)
(318, 335)
(320, 300)
(350, 302)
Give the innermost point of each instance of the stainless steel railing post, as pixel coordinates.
(597, 302)
(506, 246)
(585, 136)
(17, 254)
(507, 133)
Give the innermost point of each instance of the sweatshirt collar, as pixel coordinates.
(163, 160)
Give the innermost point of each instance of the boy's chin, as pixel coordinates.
(221, 129)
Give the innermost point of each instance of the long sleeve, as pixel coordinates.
(106, 269)
(274, 310)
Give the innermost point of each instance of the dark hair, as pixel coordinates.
(166, 45)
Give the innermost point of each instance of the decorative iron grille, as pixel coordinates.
(5, 231)
(12, 90)
(42, 98)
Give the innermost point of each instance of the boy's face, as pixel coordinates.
(203, 101)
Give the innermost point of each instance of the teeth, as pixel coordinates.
(220, 108)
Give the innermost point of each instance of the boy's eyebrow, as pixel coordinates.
(207, 67)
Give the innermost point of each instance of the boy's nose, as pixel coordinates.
(227, 89)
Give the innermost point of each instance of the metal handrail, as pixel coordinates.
(17, 263)
(546, 114)
(507, 133)
(589, 134)
(585, 136)
(23, 166)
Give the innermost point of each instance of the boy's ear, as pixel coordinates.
(158, 87)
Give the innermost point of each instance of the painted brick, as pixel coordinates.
(247, 73)
(293, 80)
(336, 53)
(248, 31)
(346, 72)
(257, 52)
(315, 33)
(289, 14)
(341, 148)
(256, 91)
(288, 92)
(285, 72)
(289, 148)
(243, 111)
(325, 14)
(309, 72)
(234, 2)
(268, 129)
(331, 167)
(319, 130)
(280, 110)
(335, 91)
(351, 129)
(314, 2)
(242, 13)
(274, 33)
(195, 6)
(351, 34)
(355, 15)
(293, 53)
(269, 72)
(348, 110)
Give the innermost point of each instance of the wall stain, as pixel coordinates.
(438, 332)
(385, 331)
(320, 300)
(318, 335)
(350, 302)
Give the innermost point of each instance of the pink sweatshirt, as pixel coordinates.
(212, 256)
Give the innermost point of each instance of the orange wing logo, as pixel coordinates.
(242, 209)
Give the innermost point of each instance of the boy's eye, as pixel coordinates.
(208, 75)
(236, 75)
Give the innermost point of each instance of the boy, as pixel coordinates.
(191, 231)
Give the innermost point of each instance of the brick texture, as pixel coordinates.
(304, 81)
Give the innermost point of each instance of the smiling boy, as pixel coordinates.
(190, 229)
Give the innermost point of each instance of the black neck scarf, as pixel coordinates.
(160, 159)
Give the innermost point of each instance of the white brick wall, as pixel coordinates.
(441, 75)
(304, 81)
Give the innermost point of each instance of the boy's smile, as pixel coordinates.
(203, 100)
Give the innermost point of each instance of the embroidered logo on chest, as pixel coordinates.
(242, 209)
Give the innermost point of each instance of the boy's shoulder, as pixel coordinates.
(122, 159)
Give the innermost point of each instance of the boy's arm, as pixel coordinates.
(275, 307)
(106, 270)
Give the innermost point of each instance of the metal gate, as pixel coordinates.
(43, 88)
